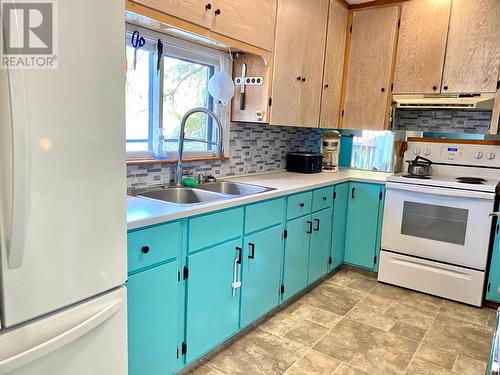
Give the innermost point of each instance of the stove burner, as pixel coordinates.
(471, 180)
(417, 177)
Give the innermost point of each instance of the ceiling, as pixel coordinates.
(358, 1)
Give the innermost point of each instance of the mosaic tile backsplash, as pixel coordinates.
(448, 121)
(253, 148)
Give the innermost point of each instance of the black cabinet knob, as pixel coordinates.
(303, 79)
(299, 78)
(382, 89)
(434, 88)
(301, 204)
(445, 87)
(326, 86)
(217, 12)
(145, 249)
(324, 198)
(208, 6)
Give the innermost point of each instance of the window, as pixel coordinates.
(158, 96)
(372, 150)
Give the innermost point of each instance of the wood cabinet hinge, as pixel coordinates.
(342, 114)
(380, 195)
(282, 289)
(183, 348)
(498, 85)
(489, 286)
(270, 102)
(375, 259)
(399, 23)
(185, 273)
(392, 87)
(350, 29)
(285, 234)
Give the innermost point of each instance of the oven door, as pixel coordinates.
(447, 225)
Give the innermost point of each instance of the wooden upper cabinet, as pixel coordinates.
(298, 62)
(334, 65)
(251, 22)
(370, 67)
(421, 46)
(194, 11)
(473, 51)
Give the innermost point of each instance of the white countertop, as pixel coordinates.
(142, 212)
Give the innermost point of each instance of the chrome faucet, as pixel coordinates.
(182, 138)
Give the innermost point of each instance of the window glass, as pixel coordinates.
(137, 100)
(373, 150)
(185, 86)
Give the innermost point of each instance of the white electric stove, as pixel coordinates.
(436, 230)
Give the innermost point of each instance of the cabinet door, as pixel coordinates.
(212, 311)
(194, 11)
(319, 249)
(339, 224)
(296, 255)
(261, 273)
(251, 22)
(153, 321)
(421, 46)
(334, 65)
(493, 289)
(368, 82)
(473, 50)
(362, 224)
(298, 62)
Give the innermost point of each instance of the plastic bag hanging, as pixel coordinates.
(221, 87)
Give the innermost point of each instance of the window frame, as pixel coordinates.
(189, 51)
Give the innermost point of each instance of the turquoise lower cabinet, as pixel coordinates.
(153, 321)
(493, 288)
(339, 224)
(295, 268)
(319, 249)
(363, 216)
(212, 305)
(262, 254)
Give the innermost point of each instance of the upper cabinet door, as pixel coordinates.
(194, 11)
(371, 57)
(421, 46)
(252, 22)
(298, 62)
(334, 65)
(473, 51)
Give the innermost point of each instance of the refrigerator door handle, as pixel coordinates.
(54, 343)
(20, 168)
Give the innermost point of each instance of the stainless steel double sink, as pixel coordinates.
(204, 193)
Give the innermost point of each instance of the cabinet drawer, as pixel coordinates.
(322, 198)
(146, 247)
(264, 214)
(214, 228)
(298, 205)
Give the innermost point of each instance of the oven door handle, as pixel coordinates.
(457, 193)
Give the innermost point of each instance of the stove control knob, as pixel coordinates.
(490, 155)
(416, 151)
(478, 155)
(427, 151)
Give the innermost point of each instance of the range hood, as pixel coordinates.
(472, 102)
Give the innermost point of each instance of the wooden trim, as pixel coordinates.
(487, 142)
(172, 161)
(376, 3)
(344, 3)
(167, 19)
(346, 67)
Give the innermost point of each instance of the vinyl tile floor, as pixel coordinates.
(351, 324)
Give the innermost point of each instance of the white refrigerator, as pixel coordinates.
(63, 200)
